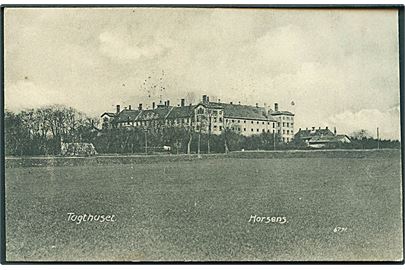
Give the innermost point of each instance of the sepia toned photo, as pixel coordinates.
(202, 134)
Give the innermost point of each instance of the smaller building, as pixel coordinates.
(320, 138)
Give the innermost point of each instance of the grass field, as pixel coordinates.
(200, 210)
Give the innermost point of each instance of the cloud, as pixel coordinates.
(118, 46)
(369, 119)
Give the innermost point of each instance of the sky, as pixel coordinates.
(338, 67)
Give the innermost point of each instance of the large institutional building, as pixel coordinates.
(206, 116)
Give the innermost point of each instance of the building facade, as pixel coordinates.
(207, 117)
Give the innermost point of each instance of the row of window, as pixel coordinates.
(287, 131)
(214, 113)
(244, 121)
(244, 129)
(154, 122)
(219, 119)
(187, 121)
(287, 118)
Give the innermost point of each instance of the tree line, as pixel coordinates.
(41, 131)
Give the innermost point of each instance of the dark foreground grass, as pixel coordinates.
(199, 210)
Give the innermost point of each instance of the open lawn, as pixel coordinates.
(200, 210)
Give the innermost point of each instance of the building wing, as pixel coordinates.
(244, 111)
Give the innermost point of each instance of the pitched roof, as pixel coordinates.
(181, 112)
(282, 113)
(243, 111)
(126, 115)
(328, 139)
(157, 113)
(304, 133)
(110, 114)
(230, 111)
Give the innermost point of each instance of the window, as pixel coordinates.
(252, 128)
(274, 125)
(215, 119)
(257, 130)
(244, 121)
(220, 119)
(200, 111)
(288, 124)
(257, 122)
(220, 128)
(283, 124)
(238, 128)
(238, 121)
(226, 121)
(233, 121)
(262, 123)
(252, 123)
(283, 131)
(244, 129)
(278, 124)
(288, 132)
(263, 130)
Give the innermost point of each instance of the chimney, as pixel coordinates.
(118, 108)
(168, 103)
(182, 102)
(239, 102)
(327, 128)
(306, 128)
(129, 107)
(231, 103)
(319, 128)
(140, 106)
(153, 105)
(313, 128)
(276, 107)
(219, 100)
(334, 130)
(257, 105)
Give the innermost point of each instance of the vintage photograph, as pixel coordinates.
(202, 134)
